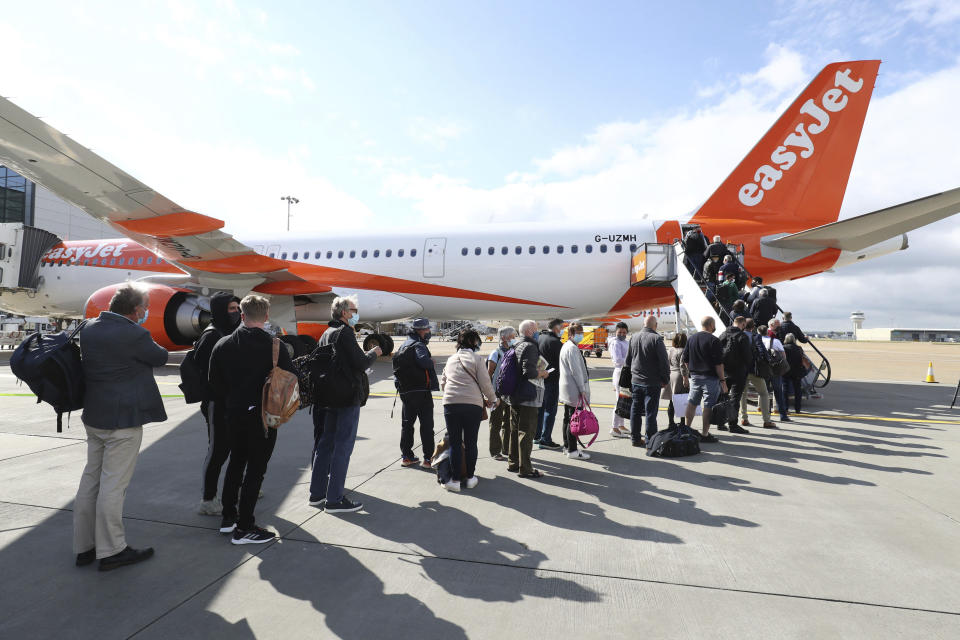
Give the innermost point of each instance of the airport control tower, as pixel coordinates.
(857, 317)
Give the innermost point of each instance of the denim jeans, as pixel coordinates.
(333, 453)
(780, 396)
(646, 402)
(547, 414)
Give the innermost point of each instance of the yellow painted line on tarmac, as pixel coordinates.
(601, 379)
(27, 395)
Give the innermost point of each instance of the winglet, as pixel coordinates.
(797, 174)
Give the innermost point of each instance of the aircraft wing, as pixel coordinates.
(192, 241)
(855, 234)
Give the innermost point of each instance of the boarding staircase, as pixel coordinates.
(21, 249)
(656, 265)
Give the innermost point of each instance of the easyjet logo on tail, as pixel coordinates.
(782, 159)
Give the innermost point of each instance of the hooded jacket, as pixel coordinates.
(413, 366)
(239, 366)
(219, 327)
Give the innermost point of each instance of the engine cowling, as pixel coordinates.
(176, 316)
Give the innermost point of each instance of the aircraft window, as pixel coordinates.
(399, 253)
(413, 253)
(273, 255)
(489, 251)
(113, 261)
(95, 262)
(503, 251)
(363, 254)
(316, 255)
(353, 254)
(633, 248)
(476, 251)
(532, 249)
(517, 250)
(603, 248)
(559, 248)
(376, 253)
(463, 251)
(329, 254)
(388, 253)
(618, 248)
(283, 256)
(131, 260)
(159, 260)
(546, 249)
(588, 248)
(573, 248)
(149, 261)
(339, 254)
(140, 260)
(295, 253)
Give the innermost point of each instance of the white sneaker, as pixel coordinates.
(578, 455)
(212, 507)
(472, 482)
(453, 485)
(616, 433)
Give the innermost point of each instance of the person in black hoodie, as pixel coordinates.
(550, 344)
(239, 365)
(225, 309)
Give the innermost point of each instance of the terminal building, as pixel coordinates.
(35, 206)
(899, 334)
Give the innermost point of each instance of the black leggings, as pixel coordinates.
(218, 446)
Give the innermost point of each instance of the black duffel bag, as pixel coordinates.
(675, 442)
(724, 411)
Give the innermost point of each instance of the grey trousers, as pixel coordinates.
(98, 508)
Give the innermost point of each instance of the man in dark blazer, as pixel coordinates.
(121, 396)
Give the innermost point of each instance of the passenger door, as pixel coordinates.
(433, 257)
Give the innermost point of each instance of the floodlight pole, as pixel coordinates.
(290, 200)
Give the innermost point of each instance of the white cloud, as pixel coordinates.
(435, 133)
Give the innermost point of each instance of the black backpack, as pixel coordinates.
(675, 442)
(330, 384)
(51, 367)
(192, 381)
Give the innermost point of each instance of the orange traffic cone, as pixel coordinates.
(930, 377)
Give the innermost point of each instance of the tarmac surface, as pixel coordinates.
(841, 524)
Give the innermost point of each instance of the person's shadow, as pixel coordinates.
(352, 598)
(459, 547)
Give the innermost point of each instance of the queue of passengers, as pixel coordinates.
(237, 353)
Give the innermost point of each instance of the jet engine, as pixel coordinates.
(176, 317)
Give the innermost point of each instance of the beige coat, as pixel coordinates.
(464, 371)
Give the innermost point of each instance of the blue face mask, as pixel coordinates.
(536, 335)
(146, 314)
(353, 321)
(577, 337)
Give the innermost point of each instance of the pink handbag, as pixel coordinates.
(583, 422)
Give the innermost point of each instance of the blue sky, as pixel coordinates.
(383, 114)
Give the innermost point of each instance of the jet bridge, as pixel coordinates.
(21, 249)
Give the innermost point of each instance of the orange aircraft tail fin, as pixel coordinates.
(797, 173)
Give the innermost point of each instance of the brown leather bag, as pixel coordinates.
(281, 393)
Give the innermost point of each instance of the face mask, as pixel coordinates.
(513, 342)
(577, 337)
(146, 314)
(353, 321)
(426, 337)
(621, 337)
(234, 317)
(536, 335)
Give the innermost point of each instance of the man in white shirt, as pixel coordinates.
(617, 345)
